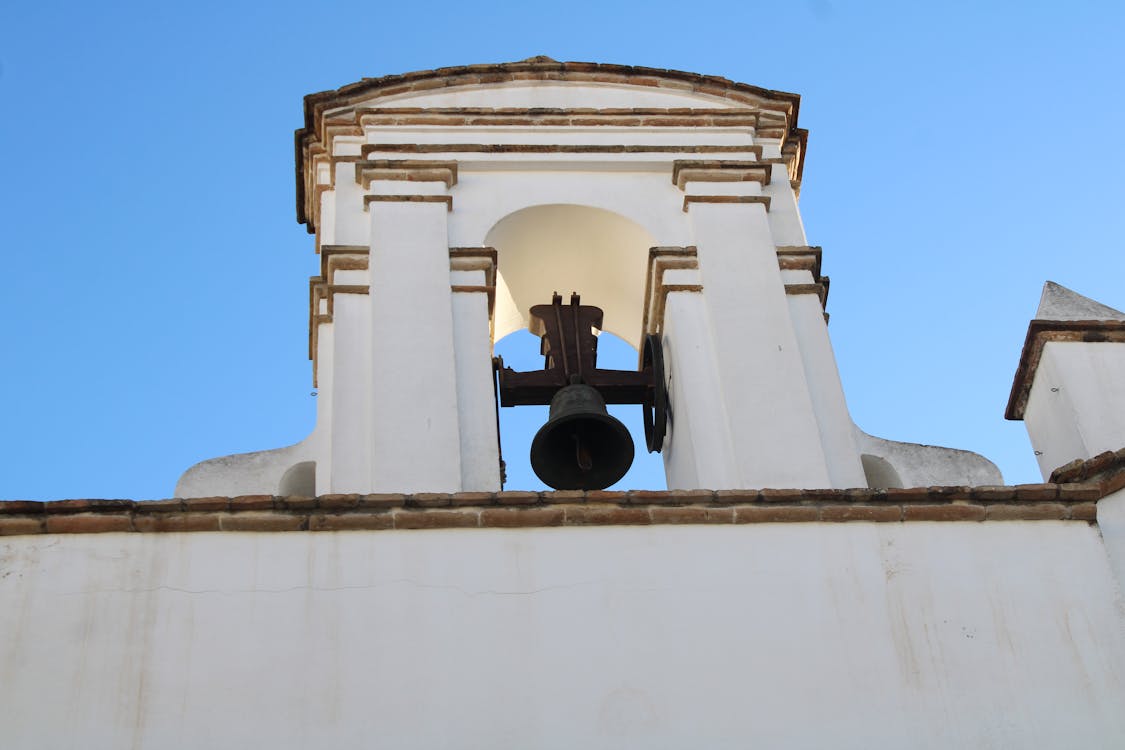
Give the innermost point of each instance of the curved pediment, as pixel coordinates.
(536, 91)
(543, 82)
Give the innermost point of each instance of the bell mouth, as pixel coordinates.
(581, 447)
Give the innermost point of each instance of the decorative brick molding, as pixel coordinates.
(413, 170)
(1030, 502)
(819, 289)
(661, 259)
(741, 117)
(799, 258)
(548, 148)
(1107, 470)
(732, 199)
(323, 290)
(717, 170)
(476, 259)
(1039, 332)
(446, 199)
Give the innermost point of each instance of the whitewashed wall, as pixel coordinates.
(923, 635)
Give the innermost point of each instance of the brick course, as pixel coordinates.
(1073, 502)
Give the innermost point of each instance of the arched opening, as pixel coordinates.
(299, 480)
(568, 248)
(879, 473)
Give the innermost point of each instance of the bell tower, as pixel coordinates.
(447, 204)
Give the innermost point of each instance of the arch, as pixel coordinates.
(567, 248)
(299, 480)
(879, 472)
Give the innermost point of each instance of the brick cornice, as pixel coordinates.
(545, 69)
(1039, 332)
(775, 113)
(266, 513)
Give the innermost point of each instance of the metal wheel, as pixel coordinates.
(655, 405)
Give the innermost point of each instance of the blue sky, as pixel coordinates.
(960, 155)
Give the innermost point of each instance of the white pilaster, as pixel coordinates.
(416, 444)
(772, 423)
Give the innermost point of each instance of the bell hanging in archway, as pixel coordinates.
(581, 447)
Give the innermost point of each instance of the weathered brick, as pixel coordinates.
(736, 497)
(605, 496)
(908, 494)
(20, 525)
(206, 503)
(472, 498)
(522, 517)
(1026, 512)
(651, 497)
(880, 513)
(21, 507)
(691, 514)
(1084, 512)
(1037, 492)
(428, 500)
(826, 496)
(351, 522)
(378, 501)
(509, 497)
(251, 502)
(943, 512)
(564, 496)
(1113, 483)
(863, 494)
(606, 515)
(89, 523)
(68, 506)
(436, 519)
(168, 522)
(263, 521)
(774, 513)
(171, 505)
(693, 496)
(770, 495)
(341, 502)
(950, 492)
(1079, 492)
(1069, 472)
(993, 493)
(295, 502)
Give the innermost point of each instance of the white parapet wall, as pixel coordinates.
(859, 635)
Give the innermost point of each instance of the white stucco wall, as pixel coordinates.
(1076, 405)
(924, 635)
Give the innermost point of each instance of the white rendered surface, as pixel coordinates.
(859, 636)
(408, 403)
(1076, 406)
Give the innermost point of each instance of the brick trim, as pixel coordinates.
(743, 117)
(1039, 332)
(265, 513)
(661, 259)
(413, 170)
(717, 170)
(446, 199)
(550, 148)
(733, 199)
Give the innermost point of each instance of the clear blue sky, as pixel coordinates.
(156, 280)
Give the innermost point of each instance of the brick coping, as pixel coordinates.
(1029, 502)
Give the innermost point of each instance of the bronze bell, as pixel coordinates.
(581, 447)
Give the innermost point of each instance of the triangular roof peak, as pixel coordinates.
(1060, 303)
